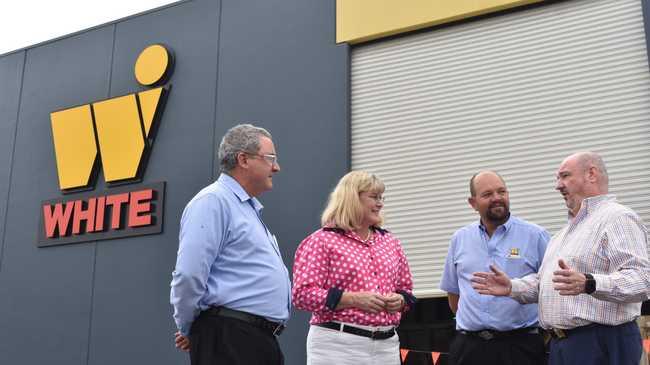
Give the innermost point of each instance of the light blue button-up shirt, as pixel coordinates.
(227, 257)
(516, 247)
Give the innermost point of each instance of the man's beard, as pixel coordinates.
(498, 217)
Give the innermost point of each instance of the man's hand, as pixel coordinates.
(394, 302)
(182, 342)
(367, 301)
(492, 283)
(567, 281)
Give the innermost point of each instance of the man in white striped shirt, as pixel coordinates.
(594, 275)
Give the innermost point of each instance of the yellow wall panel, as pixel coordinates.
(149, 102)
(363, 20)
(120, 136)
(74, 145)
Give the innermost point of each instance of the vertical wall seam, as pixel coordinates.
(94, 264)
(348, 105)
(645, 11)
(215, 163)
(110, 70)
(11, 159)
(92, 297)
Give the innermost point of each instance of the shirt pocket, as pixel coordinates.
(517, 265)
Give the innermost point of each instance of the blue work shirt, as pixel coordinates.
(517, 247)
(227, 257)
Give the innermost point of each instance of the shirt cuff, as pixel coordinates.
(517, 288)
(409, 298)
(449, 288)
(333, 298)
(604, 284)
(185, 330)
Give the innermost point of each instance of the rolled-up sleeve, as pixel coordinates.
(525, 290)
(404, 279)
(310, 269)
(202, 232)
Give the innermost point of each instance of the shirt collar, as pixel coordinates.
(353, 235)
(375, 232)
(234, 186)
(591, 204)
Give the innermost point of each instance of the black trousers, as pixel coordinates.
(519, 349)
(217, 340)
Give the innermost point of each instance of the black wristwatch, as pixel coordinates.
(590, 284)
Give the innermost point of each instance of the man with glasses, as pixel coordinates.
(230, 288)
(493, 330)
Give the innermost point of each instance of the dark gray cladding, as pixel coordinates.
(274, 62)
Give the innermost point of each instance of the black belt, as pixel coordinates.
(375, 335)
(272, 327)
(491, 334)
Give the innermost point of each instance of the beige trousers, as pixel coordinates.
(326, 347)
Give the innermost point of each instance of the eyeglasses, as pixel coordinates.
(273, 159)
(377, 198)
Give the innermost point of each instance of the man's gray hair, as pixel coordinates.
(240, 138)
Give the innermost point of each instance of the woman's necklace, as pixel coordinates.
(368, 236)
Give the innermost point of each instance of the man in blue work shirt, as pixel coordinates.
(230, 288)
(493, 330)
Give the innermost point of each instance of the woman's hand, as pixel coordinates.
(366, 301)
(394, 302)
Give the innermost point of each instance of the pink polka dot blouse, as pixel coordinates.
(331, 259)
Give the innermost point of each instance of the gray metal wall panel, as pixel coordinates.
(11, 71)
(275, 62)
(44, 293)
(279, 65)
(131, 292)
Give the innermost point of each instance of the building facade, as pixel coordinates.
(424, 97)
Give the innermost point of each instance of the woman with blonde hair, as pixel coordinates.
(354, 278)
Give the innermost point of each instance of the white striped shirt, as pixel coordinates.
(607, 240)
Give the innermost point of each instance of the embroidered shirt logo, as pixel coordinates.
(514, 253)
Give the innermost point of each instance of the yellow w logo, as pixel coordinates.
(120, 129)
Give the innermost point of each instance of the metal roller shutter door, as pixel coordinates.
(516, 93)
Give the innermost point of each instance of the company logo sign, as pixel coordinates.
(116, 134)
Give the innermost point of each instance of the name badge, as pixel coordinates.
(514, 253)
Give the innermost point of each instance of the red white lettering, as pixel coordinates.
(83, 218)
(81, 214)
(99, 218)
(140, 202)
(116, 201)
(57, 218)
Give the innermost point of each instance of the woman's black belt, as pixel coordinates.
(375, 335)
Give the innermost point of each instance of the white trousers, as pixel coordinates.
(326, 347)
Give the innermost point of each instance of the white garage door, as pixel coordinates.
(516, 93)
